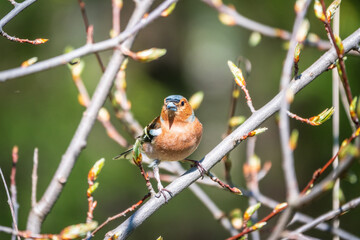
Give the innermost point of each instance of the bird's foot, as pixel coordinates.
(162, 193)
(198, 165)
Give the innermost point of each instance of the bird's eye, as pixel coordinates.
(182, 103)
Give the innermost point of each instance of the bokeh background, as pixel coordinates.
(42, 110)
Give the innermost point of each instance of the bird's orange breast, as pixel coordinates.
(175, 143)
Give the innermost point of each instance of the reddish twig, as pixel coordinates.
(340, 54)
(27, 234)
(226, 159)
(320, 171)
(279, 208)
(89, 32)
(224, 185)
(146, 177)
(22, 40)
(123, 213)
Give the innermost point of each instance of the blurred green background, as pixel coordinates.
(42, 110)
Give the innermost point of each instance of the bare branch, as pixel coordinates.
(328, 216)
(252, 25)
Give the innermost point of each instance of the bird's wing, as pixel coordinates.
(152, 130)
(124, 154)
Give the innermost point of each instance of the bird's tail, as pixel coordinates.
(124, 154)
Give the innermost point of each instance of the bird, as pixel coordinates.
(172, 136)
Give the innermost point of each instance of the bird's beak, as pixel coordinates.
(171, 106)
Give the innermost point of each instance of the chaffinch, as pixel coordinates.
(172, 136)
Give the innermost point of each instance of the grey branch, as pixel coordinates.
(252, 25)
(230, 142)
(330, 215)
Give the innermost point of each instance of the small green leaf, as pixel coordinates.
(339, 44)
(319, 11)
(237, 73)
(331, 10)
(95, 170)
(149, 55)
(196, 99)
(294, 139)
(78, 230)
(236, 121)
(250, 211)
(169, 10)
(297, 53)
(254, 39)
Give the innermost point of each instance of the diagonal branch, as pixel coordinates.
(330, 215)
(230, 142)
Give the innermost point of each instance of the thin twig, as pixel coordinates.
(302, 218)
(122, 214)
(13, 2)
(13, 189)
(341, 62)
(211, 206)
(34, 177)
(330, 215)
(18, 7)
(251, 25)
(89, 30)
(226, 159)
(324, 184)
(10, 204)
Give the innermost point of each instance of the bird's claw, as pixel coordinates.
(200, 168)
(162, 193)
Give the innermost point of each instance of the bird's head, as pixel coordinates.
(177, 108)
